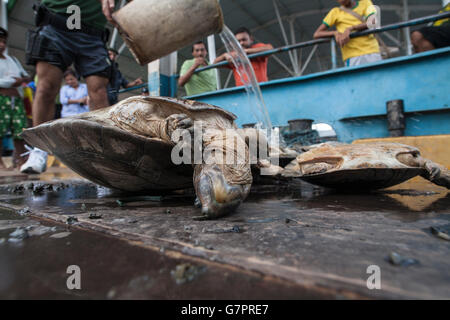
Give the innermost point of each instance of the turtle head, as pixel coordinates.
(216, 195)
(410, 158)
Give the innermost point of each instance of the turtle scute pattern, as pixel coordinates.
(128, 146)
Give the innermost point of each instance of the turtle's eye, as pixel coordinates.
(315, 168)
(320, 166)
(409, 159)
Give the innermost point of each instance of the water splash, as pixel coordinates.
(247, 75)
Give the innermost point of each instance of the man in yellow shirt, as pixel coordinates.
(347, 19)
(433, 37)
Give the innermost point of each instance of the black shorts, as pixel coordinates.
(87, 52)
(438, 36)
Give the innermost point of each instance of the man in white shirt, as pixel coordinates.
(12, 111)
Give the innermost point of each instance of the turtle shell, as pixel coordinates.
(355, 166)
(94, 147)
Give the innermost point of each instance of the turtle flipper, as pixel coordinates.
(436, 173)
(176, 122)
(197, 203)
(216, 195)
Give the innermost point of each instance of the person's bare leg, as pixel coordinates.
(98, 97)
(419, 43)
(19, 148)
(49, 83)
(2, 164)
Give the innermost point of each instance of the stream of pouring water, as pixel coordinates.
(245, 71)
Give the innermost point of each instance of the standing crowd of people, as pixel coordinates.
(350, 16)
(53, 49)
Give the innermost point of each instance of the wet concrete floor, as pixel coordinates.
(285, 242)
(36, 268)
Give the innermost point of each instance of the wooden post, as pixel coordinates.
(396, 118)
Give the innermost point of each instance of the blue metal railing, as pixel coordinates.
(389, 27)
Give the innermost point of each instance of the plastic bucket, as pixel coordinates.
(153, 28)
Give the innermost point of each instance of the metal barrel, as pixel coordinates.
(396, 118)
(153, 28)
(300, 125)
